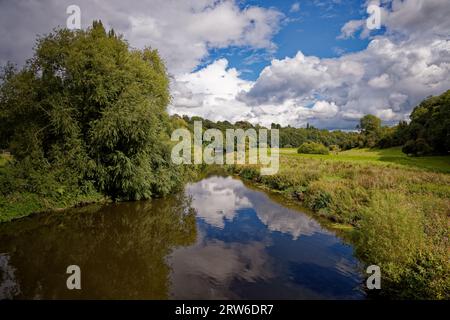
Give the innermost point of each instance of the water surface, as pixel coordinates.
(218, 239)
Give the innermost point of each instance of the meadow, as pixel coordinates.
(394, 209)
(380, 157)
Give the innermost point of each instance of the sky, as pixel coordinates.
(289, 62)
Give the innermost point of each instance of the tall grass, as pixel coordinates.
(400, 215)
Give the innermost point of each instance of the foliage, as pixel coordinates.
(289, 136)
(393, 235)
(393, 136)
(313, 148)
(92, 109)
(427, 133)
(429, 130)
(370, 127)
(369, 124)
(417, 147)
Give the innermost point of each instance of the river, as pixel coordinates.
(219, 239)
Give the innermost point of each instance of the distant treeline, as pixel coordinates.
(289, 136)
(427, 133)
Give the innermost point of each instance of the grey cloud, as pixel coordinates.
(182, 30)
(395, 72)
(387, 79)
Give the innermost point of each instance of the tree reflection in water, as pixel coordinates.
(120, 248)
(218, 239)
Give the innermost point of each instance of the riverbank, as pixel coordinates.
(399, 213)
(20, 197)
(395, 215)
(19, 205)
(25, 191)
(219, 238)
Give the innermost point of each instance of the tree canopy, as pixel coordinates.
(88, 103)
(429, 130)
(427, 133)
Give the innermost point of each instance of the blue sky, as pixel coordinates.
(313, 29)
(325, 67)
(263, 62)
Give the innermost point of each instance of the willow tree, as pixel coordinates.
(89, 103)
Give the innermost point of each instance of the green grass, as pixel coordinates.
(399, 208)
(19, 205)
(390, 156)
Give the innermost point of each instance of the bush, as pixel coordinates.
(392, 234)
(335, 148)
(409, 147)
(429, 126)
(316, 198)
(417, 147)
(249, 173)
(313, 148)
(391, 230)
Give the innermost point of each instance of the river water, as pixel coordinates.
(219, 239)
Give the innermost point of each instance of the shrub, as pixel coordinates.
(392, 234)
(313, 148)
(250, 173)
(417, 147)
(391, 230)
(335, 148)
(409, 147)
(317, 199)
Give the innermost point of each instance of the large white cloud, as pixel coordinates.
(410, 61)
(398, 69)
(214, 93)
(387, 79)
(413, 19)
(211, 93)
(217, 199)
(182, 30)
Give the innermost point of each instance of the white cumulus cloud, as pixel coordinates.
(182, 30)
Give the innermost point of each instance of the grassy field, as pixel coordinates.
(383, 157)
(398, 207)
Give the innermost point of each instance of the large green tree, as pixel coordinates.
(370, 123)
(89, 103)
(370, 127)
(429, 129)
